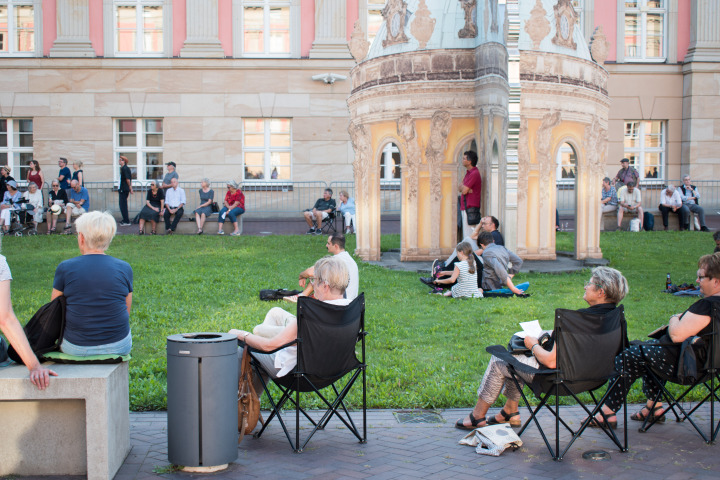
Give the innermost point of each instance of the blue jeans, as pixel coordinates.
(121, 347)
(232, 214)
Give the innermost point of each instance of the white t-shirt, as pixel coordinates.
(351, 292)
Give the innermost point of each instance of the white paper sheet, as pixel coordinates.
(530, 328)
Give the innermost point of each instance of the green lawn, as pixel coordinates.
(423, 350)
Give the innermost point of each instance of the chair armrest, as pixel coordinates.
(502, 353)
(256, 350)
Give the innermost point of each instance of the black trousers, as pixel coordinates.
(680, 212)
(123, 196)
(178, 215)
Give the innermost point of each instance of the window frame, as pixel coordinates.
(16, 168)
(641, 150)
(12, 28)
(642, 10)
(140, 149)
(267, 151)
(110, 29)
(559, 165)
(238, 17)
(385, 173)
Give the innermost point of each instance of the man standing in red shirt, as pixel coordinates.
(470, 190)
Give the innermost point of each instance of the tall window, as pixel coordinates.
(266, 28)
(645, 29)
(16, 145)
(17, 27)
(566, 165)
(141, 141)
(138, 27)
(374, 17)
(645, 147)
(267, 148)
(390, 164)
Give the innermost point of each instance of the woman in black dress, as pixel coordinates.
(154, 203)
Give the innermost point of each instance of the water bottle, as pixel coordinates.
(668, 282)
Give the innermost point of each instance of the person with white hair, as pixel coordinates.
(34, 197)
(691, 200)
(97, 312)
(330, 281)
(78, 203)
(233, 207)
(670, 201)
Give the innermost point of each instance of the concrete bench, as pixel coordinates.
(79, 425)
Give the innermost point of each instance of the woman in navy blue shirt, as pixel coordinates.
(98, 292)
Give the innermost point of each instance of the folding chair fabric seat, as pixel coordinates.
(327, 338)
(707, 353)
(328, 224)
(586, 346)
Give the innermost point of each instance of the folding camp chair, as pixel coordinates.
(586, 347)
(327, 337)
(329, 223)
(708, 375)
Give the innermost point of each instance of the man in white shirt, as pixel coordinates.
(336, 247)
(174, 202)
(670, 201)
(629, 201)
(330, 281)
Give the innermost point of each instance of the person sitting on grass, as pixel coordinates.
(464, 276)
(664, 354)
(98, 292)
(280, 327)
(605, 289)
(320, 211)
(335, 246)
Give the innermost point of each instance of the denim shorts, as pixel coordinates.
(121, 347)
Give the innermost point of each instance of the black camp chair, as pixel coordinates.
(329, 223)
(586, 347)
(327, 337)
(708, 376)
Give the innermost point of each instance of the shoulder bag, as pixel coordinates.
(248, 400)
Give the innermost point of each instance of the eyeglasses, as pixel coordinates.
(700, 277)
(588, 283)
(55, 185)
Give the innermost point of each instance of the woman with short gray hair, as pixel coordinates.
(97, 312)
(207, 196)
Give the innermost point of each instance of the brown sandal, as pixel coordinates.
(650, 416)
(506, 419)
(474, 421)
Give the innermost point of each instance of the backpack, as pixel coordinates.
(277, 294)
(648, 221)
(45, 329)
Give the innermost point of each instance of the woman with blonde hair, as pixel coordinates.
(97, 312)
(78, 173)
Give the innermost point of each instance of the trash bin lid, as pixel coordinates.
(202, 344)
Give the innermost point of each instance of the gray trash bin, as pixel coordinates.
(202, 382)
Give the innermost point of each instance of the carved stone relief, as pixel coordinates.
(470, 29)
(358, 43)
(565, 19)
(538, 26)
(394, 14)
(595, 141)
(493, 14)
(435, 150)
(599, 45)
(543, 143)
(406, 131)
(523, 159)
(423, 26)
(360, 139)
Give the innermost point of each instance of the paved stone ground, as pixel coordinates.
(430, 450)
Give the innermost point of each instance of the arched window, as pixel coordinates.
(566, 165)
(390, 164)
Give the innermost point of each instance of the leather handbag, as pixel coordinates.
(248, 400)
(214, 207)
(473, 213)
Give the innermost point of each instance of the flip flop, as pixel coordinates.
(651, 416)
(474, 421)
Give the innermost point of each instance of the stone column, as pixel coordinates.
(704, 32)
(202, 39)
(73, 30)
(330, 30)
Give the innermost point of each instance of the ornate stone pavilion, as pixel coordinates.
(435, 83)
